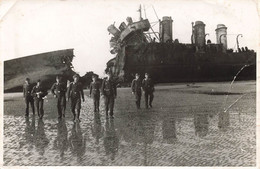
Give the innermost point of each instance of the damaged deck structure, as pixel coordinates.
(137, 48)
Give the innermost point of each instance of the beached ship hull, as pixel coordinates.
(179, 63)
(44, 66)
(167, 60)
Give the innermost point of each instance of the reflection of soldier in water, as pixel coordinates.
(146, 129)
(145, 132)
(138, 128)
(111, 141)
(61, 142)
(169, 129)
(77, 141)
(223, 120)
(201, 123)
(96, 128)
(29, 131)
(41, 141)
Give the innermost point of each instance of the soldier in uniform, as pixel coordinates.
(27, 90)
(148, 88)
(58, 90)
(136, 89)
(75, 92)
(108, 91)
(39, 93)
(94, 92)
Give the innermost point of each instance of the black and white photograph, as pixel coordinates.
(129, 83)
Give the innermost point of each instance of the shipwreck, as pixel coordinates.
(138, 48)
(44, 66)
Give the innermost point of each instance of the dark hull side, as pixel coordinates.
(45, 66)
(181, 63)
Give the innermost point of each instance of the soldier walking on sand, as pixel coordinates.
(108, 90)
(39, 93)
(75, 92)
(94, 92)
(148, 88)
(27, 90)
(136, 89)
(58, 90)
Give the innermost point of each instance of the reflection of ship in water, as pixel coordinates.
(169, 129)
(61, 141)
(77, 141)
(138, 129)
(111, 140)
(41, 140)
(138, 48)
(96, 128)
(201, 123)
(223, 120)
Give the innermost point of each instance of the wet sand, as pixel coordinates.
(187, 126)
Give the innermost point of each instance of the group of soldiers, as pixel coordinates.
(146, 86)
(107, 90)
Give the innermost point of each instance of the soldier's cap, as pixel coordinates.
(27, 79)
(39, 80)
(109, 73)
(76, 75)
(94, 76)
(137, 74)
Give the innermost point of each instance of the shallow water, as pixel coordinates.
(185, 127)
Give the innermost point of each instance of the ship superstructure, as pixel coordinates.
(138, 48)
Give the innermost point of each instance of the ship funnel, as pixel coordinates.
(221, 35)
(129, 20)
(199, 33)
(122, 26)
(113, 30)
(166, 29)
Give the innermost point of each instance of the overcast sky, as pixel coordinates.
(35, 26)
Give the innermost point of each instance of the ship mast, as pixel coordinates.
(140, 12)
(192, 33)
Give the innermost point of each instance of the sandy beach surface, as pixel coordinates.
(201, 124)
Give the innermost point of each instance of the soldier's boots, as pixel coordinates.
(138, 105)
(111, 114)
(150, 105)
(27, 112)
(78, 114)
(96, 108)
(33, 109)
(41, 115)
(106, 114)
(74, 115)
